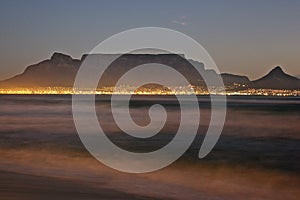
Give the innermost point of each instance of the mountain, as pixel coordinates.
(60, 71)
(276, 79)
(228, 79)
(231, 79)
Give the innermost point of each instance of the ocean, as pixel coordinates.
(257, 155)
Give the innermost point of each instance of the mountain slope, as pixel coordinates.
(60, 70)
(231, 79)
(276, 79)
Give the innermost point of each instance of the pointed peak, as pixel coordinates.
(277, 70)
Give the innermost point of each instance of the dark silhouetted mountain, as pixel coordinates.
(60, 71)
(277, 79)
(128, 61)
(231, 79)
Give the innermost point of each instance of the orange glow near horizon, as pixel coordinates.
(188, 90)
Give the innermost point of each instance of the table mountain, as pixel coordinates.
(60, 71)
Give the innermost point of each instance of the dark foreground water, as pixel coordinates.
(256, 157)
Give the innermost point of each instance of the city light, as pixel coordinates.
(131, 90)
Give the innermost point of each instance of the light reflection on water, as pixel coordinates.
(258, 153)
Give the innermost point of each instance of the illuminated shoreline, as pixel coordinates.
(185, 90)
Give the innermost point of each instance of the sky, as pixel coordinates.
(243, 37)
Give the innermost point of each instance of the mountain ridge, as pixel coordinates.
(61, 69)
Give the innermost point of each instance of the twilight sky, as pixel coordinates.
(243, 37)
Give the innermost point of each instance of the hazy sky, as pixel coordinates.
(243, 37)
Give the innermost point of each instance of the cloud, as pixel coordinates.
(182, 23)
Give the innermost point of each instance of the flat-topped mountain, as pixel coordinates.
(60, 71)
(277, 79)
